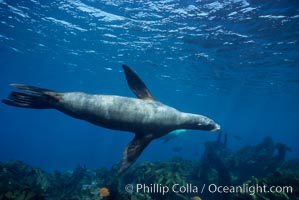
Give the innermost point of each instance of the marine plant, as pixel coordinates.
(83, 183)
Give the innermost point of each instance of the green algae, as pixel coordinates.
(216, 166)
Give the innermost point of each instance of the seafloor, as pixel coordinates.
(261, 165)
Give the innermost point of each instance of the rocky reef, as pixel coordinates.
(252, 167)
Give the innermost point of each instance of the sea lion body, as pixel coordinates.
(145, 116)
(128, 114)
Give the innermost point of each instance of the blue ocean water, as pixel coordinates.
(235, 61)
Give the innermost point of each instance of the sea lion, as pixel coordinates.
(172, 135)
(144, 116)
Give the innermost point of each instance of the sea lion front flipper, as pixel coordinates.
(133, 151)
(136, 84)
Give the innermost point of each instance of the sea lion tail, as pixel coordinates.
(32, 97)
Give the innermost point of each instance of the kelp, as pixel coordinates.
(262, 164)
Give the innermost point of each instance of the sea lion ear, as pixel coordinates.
(137, 85)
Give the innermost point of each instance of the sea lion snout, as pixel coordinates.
(213, 127)
(208, 124)
(217, 128)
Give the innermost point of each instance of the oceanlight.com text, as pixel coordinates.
(211, 188)
(249, 189)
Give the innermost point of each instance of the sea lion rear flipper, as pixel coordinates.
(32, 97)
(133, 151)
(136, 84)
